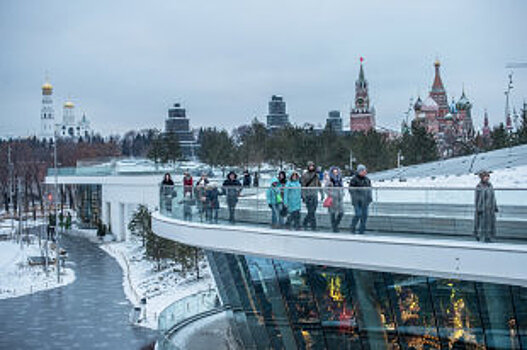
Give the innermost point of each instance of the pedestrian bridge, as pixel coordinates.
(426, 232)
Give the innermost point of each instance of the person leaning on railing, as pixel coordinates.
(199, 194)
(188, 183)
(361, 197)
(167, 191)
(485, 208)
(310, 190)
(231, 188)
(212, 203)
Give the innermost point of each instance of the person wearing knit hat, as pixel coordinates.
(361, 168)
(361, 197)
(485, 208)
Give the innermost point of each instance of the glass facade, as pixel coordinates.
(291, 305)
(88, 205)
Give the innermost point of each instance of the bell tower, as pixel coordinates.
(47, 113)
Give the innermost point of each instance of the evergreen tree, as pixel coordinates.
(500, 137)
(188, 258)
(252, 144)
(522, 131)
(141, 223)
(164, 148)
(216, 147)
(418, 146)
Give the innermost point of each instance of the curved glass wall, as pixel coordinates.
(291, 305)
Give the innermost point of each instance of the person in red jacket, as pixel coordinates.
(187, 183)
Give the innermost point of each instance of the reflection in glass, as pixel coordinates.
(291, 305)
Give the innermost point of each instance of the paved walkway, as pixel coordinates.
(91, 313)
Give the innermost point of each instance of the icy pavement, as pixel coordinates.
(17, 278)
(90, 313)
(161, 288)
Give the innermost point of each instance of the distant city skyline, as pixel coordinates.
(126, 62)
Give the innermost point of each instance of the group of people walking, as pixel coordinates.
(287, 191)
(286, 194)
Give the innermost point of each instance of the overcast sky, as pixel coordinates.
(124, 63)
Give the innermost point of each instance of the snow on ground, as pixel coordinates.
(504, 178)
(161, 288)
(510, 185)
(17, 278)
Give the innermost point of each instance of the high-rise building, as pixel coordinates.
(47, 114)
(362, 116)
(178, 123)
(277, 117)
(334, 122)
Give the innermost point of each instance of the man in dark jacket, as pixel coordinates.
(360, 191)
(246, 179)
(231, 188)
(310, 196)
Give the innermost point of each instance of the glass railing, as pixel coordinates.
(386, 210)
(184, 311)
(187, 308)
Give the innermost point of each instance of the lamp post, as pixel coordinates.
(11, 191)
(399, 158)
(57, 241)
(351, 161)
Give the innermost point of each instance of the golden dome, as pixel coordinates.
(437, 63)
(68, 104)
(47, 88)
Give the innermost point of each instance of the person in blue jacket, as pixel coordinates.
(293, 200)
(275, 202)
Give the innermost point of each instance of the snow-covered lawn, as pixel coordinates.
(17, 278)
(160, 288)
(515, 177)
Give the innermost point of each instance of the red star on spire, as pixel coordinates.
(361, 59)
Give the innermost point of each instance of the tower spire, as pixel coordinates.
(361, 72)
(438, 92)
(437, 86)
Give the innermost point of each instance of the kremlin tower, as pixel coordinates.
(47, 114)
(362, 116)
